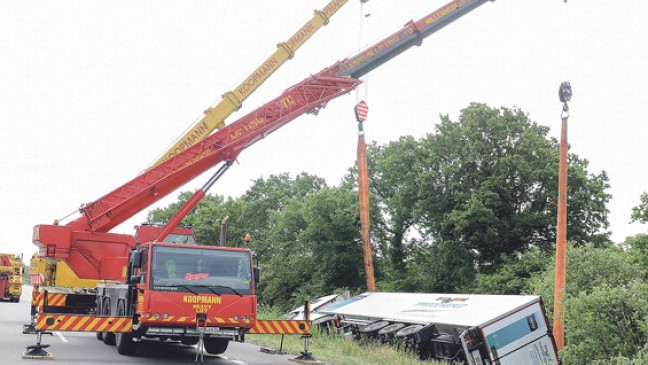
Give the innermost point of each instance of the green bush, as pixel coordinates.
(609, 322)
(606, 311)
(588, 268)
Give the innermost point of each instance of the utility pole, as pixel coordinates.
(361, 111)
(565, 94)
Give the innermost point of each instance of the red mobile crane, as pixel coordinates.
(160, 294)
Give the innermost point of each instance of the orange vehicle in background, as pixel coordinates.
(11, 273)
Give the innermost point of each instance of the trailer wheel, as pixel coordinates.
(386, 334)
(124, 340)
(216, 345)
(108, 337)
(370, 331)
(406, 337)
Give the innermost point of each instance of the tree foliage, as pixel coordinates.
(394, 177)
(605, 303)
(471, 207)
(489, 183)
(640, 212)
(514, 274)
(316, 248)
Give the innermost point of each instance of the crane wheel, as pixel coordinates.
(124, 340)
(216, 345)
(108, 337)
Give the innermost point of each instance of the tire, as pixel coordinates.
(99, 335)
(108, 337)
(124, 340)
(215, 345)
(189, 341)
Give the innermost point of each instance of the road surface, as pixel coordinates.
(84, 348)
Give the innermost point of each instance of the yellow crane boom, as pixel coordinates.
(232, 100)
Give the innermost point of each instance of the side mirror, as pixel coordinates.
(257, 274)
(136, 259)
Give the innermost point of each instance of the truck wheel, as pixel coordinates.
(124, 340)
(216, 345)
(99, 335)
(108, 337)
(189, 341)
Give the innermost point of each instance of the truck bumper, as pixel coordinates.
(229, 333)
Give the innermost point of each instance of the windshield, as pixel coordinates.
(180, 238)
(201, 270)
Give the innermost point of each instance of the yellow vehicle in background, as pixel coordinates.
(11, 272)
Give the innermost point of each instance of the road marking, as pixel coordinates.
(61, 336)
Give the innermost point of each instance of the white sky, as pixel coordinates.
(92, 91)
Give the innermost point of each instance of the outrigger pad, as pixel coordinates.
(306, 360)
(37, 352)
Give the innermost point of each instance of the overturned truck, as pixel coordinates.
(475, 329)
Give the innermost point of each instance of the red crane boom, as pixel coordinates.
(309, 95)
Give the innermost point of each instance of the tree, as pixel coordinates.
(267, 198)
(205, 218)
(512, 277)
(316, 248)
(394, 185)
(640, 212)
(637, 246)
(438, 267)
(489, 185)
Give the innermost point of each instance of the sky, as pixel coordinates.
(92, 92)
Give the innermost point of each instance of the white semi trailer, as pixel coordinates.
(475, 329)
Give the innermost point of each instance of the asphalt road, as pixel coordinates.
(84, 348)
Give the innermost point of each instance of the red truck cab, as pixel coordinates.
(182, 291)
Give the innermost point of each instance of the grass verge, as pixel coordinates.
(339, 350)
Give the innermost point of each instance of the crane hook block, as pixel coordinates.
(565, 92)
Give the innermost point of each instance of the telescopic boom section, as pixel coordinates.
(232, 100)
(307, 96)
(411, 35)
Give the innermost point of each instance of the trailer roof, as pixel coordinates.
(418, 308)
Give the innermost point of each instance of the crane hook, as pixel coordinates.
(565, 94)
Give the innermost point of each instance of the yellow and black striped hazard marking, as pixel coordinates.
(37, 298)
(281, 327)
(83, 323)
(56, 300)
